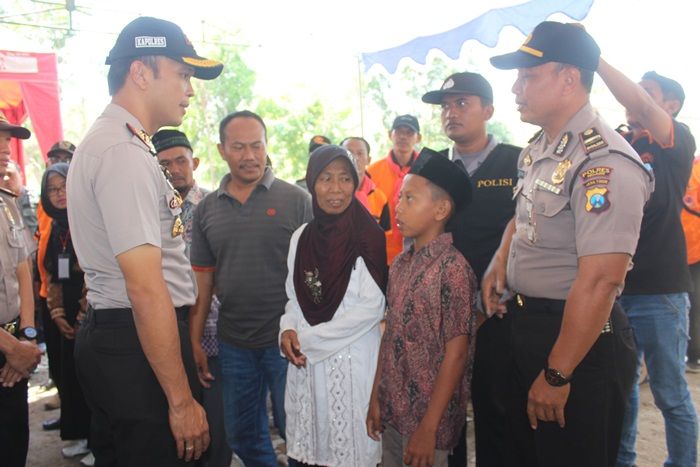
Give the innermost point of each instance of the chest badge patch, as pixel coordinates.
(527, 160)
(178, 227)
(559, 173)
(597, 200)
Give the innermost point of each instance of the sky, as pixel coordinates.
(309, 49)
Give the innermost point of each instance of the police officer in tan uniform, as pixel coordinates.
(18, 358)
(580, 197)
(133, 352)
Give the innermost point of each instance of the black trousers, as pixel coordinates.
(490, 389)
(14, 423)
(129, 409)
(599, 391)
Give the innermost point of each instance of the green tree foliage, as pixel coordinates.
(213, 100)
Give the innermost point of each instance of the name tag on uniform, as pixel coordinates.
(547, 186)
(63, 266)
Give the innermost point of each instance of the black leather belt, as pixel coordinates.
(125, 315)
(524, 303)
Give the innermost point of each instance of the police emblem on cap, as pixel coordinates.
(448, 84)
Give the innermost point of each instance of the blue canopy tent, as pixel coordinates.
(484, 29)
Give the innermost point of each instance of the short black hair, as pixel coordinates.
(116, 76)
(586, 75)
(239, 114)
(358, 138)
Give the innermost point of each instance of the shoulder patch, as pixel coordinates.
(597, 200)
(592, 140)
(623, 129)
(595, 172)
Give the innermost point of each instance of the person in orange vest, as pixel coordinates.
(388, 173)
(690, 218)
(368, 193)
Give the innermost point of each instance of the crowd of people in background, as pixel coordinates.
(370, 302)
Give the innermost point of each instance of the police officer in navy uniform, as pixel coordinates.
(133, 352)
(580, 198)
(18, 358)
(466, 100)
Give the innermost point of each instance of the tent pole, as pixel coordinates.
(359, 82)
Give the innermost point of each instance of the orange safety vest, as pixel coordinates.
(44, 232)
(388, 176)
(690, 214)
(372, 198)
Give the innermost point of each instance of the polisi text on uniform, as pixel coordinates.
(495, 182)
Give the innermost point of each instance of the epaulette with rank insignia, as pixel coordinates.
(143, 137)
(535, 136)
(592, 140)
(8, 192)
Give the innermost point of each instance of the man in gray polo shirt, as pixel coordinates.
(240, 239)
(133, 354)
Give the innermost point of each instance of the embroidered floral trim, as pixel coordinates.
(314, 284)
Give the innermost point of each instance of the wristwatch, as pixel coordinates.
(28, 333)
(555, 377)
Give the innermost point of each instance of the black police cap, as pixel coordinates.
(553, 42)
(472, 84)
(153, 36)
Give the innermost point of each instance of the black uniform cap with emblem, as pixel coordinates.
(166, 139)
(553, 42)
(472, 84)
(15, 130)
(437, 169)
(153, 36)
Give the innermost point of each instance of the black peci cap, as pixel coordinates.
(447, 175)
(553, 42)
(153, 36)
(408, 121)
(472, 84)
(166, 139)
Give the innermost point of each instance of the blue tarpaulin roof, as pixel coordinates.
(484, 29)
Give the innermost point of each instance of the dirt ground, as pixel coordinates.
(45, 446)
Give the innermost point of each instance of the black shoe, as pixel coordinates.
(51, 424)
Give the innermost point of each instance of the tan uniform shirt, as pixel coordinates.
(13, 250)
(118, 199)
(583, 194)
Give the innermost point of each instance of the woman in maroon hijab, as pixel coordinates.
(330, 330)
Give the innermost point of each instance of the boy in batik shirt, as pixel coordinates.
(420, 391)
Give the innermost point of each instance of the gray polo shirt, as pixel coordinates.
(13, 250)
(583, 194)
(246, 247)
(118, 199)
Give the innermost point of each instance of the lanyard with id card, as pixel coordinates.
(64, 258)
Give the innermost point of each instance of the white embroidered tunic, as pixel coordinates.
(326, 402)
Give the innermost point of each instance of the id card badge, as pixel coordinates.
(63, 266)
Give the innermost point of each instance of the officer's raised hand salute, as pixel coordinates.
(580, 195)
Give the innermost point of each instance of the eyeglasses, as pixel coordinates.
(55, 190)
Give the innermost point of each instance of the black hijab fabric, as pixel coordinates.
(331, 243)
